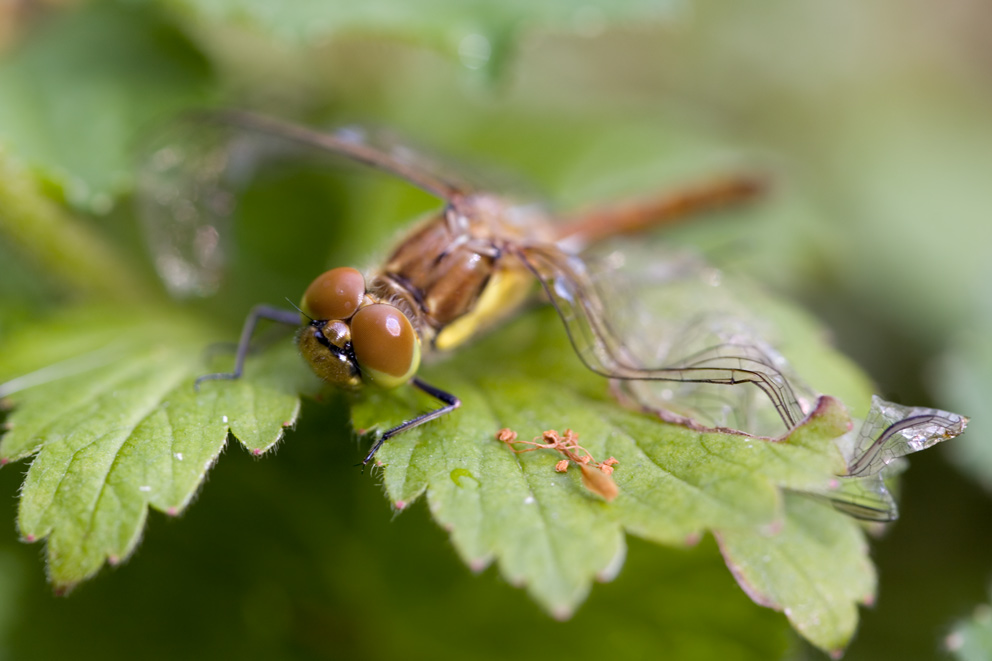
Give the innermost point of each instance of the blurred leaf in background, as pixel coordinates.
(875, 118)
(971, 639)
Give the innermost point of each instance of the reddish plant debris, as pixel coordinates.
(506, 435)
(599, 482)
(595, 475)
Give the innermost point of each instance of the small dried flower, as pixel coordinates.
(506, 435)
(597, 481)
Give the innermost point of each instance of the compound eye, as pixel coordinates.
(385, 345)
(334, 294)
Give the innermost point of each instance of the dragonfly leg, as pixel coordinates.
(450, 404)
(288, 317)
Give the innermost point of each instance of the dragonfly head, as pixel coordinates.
(350, 338)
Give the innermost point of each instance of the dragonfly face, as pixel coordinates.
(350, 338)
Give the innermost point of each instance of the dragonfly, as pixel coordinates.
(473, 263)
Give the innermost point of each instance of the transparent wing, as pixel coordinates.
(194, 170)
(185, 195)
(866, 498)
(874, 454)
(891, 431)
(376, 148)
(673, 338)
(684, 344)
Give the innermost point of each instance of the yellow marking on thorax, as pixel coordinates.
(505, 291)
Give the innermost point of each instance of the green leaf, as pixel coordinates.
(971, 639)
(483, 37)
(119, 428)
(543, 528)
(428, 20)
(116, 427)
(305, 534)
(815, 568)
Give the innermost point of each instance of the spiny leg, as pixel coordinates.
(450, 404)
(288, 317)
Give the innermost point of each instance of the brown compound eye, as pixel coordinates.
(334, 294)
(385, 344)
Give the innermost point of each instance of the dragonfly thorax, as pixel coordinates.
(351, 337)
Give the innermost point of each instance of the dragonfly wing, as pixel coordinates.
(866, 498)
(195, 169)
(681, 362)
(375, 148)
(891, 431)
(874, 453)
(185, 195)
(675, 354)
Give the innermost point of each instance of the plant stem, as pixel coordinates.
(67, 251)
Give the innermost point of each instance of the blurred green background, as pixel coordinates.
(875, 120)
